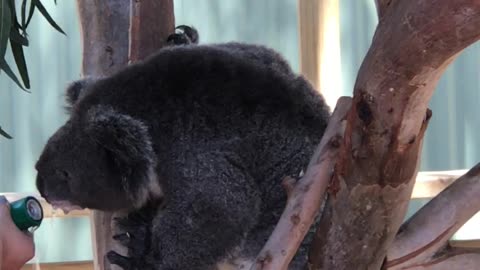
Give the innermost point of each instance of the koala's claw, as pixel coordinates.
(135, 232)
(122, 261)
(123, 238)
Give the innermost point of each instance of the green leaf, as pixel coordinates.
(30, 13)
(47, 16)
(5, 26)
(16, 25)
(23, 14)
(5, 67)
(5, 134)
(17, 51)
(16, 37)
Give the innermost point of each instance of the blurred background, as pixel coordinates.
(54, 60)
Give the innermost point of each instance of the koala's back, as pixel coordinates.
(215, 95)
(238, 106)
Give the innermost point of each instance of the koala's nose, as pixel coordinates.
(41, 185)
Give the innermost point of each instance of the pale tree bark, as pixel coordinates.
(378, 158)
(116, 33)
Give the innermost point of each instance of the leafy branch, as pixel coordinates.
(14, 32)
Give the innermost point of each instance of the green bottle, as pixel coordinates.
(27, 213)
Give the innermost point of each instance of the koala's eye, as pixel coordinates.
(64, 174)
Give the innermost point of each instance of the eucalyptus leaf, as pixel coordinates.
(5, 26)
(16, 37)
(30, 13)
(11, 4)
(23, 14)
(5, 67)
(5, 134)
(18, 55)
(47, 16)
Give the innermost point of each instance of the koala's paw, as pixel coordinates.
(185, 35)
(125, 263)
(135, 232)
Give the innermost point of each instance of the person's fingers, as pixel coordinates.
(26, 243)
(3, 199)
(21, 247)
(19, 242)
(4, 206)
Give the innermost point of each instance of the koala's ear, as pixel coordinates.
(75, 91)
(185, 35)
(129, 143)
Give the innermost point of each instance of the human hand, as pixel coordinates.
(16, 247)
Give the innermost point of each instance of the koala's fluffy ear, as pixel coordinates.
(129, 142)
(75, 91)
(185, 35)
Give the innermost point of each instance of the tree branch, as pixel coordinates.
(305, 197)
(450, 258)
(421, 237)
(413, 45)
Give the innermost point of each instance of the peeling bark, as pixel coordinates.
(359, 222)
(425, 235)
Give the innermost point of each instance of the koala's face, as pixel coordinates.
(74, 171)
(99, 159)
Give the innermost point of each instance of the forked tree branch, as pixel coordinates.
(426, 233)
(414, 43)
(305, 197)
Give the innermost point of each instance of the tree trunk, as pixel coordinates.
(414, 43)
(116, 33)
(374, 168)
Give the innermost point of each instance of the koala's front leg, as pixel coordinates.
(207, 215)
(134, 233)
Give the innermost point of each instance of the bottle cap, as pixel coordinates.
(27, 213)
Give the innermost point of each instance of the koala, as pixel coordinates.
(193, 143)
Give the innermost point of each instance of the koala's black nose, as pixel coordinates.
(40, 185)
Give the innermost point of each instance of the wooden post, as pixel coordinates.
(319, 30)
(115, 33)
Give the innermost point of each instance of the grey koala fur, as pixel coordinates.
(194, 142)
